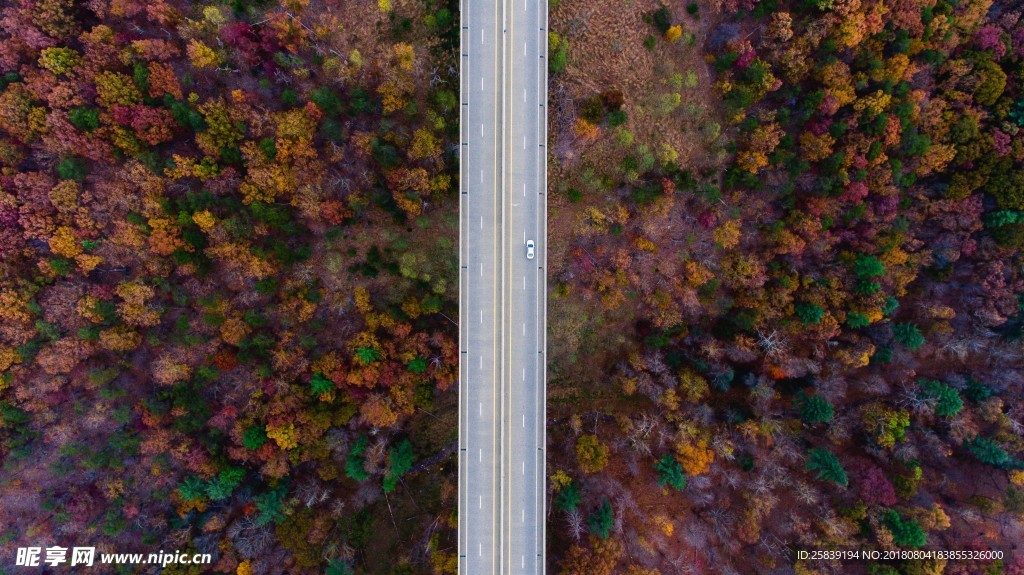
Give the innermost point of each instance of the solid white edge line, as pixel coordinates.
(462, 491)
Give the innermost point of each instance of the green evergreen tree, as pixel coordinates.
(670, 472)
(326, 100)
(813, 408)
(254, 437)
(977, 391)
(418, 365)
(85, 119)
(354, 462)
(72, 169)
(222, 486)
(865, 266)
(400, 458)
(320, 384)
(271, 506)
(367, 355)
(908, 335)
(857, 320)
(602, 520)
(192, 489)
(988, 451)
(809, 313)
(568, 497)
(947, 400)
(827, 466)
(905, 532)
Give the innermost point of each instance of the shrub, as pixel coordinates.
(558, 53)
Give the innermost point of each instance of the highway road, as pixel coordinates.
(502, 293)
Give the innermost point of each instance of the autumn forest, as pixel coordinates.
(786, 283)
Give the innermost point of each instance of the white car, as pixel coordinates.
(529, 249)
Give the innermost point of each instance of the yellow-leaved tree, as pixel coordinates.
(591, 453)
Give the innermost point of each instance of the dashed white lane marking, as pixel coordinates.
(524, 424)
(524, 329)
(481, 270)
(524, 282)
(481, 222)
(481, 409)
(481, 316)
(481, 502)
(524, 374)
(481, 362)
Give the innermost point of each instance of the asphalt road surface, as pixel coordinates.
(502, 293)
